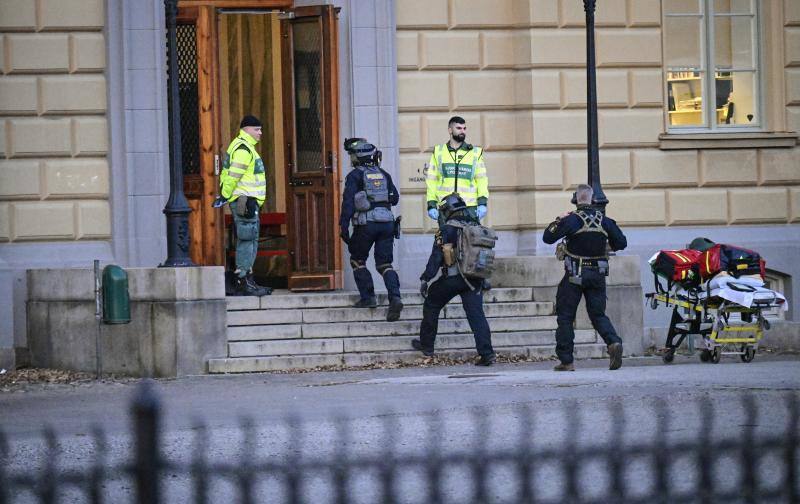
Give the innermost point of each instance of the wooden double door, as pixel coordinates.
(279, 63)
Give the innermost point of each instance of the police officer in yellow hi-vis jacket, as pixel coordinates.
(457, 167)
(243, 184)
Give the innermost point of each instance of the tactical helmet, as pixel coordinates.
(452, 205)
(362, 152)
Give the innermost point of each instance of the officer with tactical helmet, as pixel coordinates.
(457, 167)
(367, 201)
(243, 185)
(586, 233)
(452, 283)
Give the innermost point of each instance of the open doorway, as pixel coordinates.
(250, 83)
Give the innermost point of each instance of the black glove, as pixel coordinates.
(423, 288)
(252, 208)
(219, 202)
(344, 234)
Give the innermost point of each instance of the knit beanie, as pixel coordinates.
(250, 120)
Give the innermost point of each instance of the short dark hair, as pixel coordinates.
(455, 120)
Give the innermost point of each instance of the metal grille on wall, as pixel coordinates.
(187, 87)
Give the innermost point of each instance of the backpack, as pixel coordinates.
(678, 266)
(735, 260)
(475, 249)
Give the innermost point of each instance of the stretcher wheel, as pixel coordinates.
(716, 355)
(669, 355)
(705, 355)
(766, 324)
(653, 303)
(748, 353)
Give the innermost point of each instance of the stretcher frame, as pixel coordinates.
(709, 318)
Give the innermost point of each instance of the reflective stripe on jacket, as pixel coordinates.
(472, 183)
(243, 171)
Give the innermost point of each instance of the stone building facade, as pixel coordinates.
(83, 129)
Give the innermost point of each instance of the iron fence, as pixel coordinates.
(703, 466)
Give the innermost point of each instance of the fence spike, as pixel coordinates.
(433, 458)
(245, 469)
(705, 450)
(615, 450)
(5, 481)
(662, 453)
(147, 461)
(525, 453)
(199, 465)
(480, 422)
(293, 459)
(98, 467)
(341, 462)
(388, 463)
(49, 477)
(792, 445)
(570, 463)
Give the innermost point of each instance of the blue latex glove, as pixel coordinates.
(481, 211)
(433, 213)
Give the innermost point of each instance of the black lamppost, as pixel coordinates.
(177, 209)
(599, 198)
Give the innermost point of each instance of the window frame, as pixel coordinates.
(707, 16)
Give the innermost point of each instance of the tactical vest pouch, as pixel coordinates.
(475, 255)
(449, 254)
(361, 201)
(380, 214)
(561, 250)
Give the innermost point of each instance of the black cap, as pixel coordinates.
(250, 120)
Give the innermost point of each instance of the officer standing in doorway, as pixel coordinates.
(586, 233)
(243, 184)
(457, 167)
(367, 201)
(451, 284)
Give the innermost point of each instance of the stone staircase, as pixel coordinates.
(309, 330)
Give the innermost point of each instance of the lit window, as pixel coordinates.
(711, 64)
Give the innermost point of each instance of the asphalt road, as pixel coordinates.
(478, 411)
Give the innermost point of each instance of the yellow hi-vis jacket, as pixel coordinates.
(243, 171)
(461, 171)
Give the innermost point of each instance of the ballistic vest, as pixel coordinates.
(589, 242)
(376, 188)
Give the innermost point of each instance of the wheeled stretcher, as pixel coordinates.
(727, 314)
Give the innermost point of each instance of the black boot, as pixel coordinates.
(366, 303)
(247, 286)
(486, 360)
(395, 307)
(417, 345)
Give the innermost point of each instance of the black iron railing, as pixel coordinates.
(743, 464)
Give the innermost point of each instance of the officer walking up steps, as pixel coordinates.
(243, 184)
(586, 233)
(367, 201)
(463, 249)
(457, 167)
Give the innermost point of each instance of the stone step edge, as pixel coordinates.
(337, 362)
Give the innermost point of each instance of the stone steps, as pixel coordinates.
(309, 330)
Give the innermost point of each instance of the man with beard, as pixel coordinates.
(457, 167)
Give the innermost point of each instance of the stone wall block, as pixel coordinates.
(435, 126)
(610, 13)
(410, 132)
(794, 204)
(423, 91)
(558, 47)
(502, 170)
(640, 207)
(18, 95)
(526, 209)
(539, 12)
(200, 335)
(421, 14)
(792, 45)
(662, 168)
(644, 13)
(647, 88)
(5, 222)
(525, 171)
(503, 210)
(726, 168)
(549, 205)
(792, 78)
(615, 168)
(73, 94)
(548, 170)
(44, 220)
(414, 210)
(176, 284)
(17, 15)
(72, 177)
(758, 205)
(87, 52)
(612, 88)
(20, 179)
(26, 135)
(635, 46)
(450, 49)
(697, 206)
(407, 44)
(506, 130)
(37, 52)
(779, 166)
(791, 12)
(90, 136)
(482, 90)
(630, 126)
(94, 220)
(412, 176)
(480, 13)
(545, 91)
(2, 137)
(559, 128)
(72, 14)
(497, 49)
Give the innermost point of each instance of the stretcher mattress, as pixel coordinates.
(745, 291)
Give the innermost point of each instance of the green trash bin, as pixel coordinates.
(116, 301)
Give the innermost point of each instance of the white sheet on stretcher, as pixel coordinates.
(738, 290)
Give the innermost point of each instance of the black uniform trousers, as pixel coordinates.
(593, 288)
(440, 293)
(380, 234)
